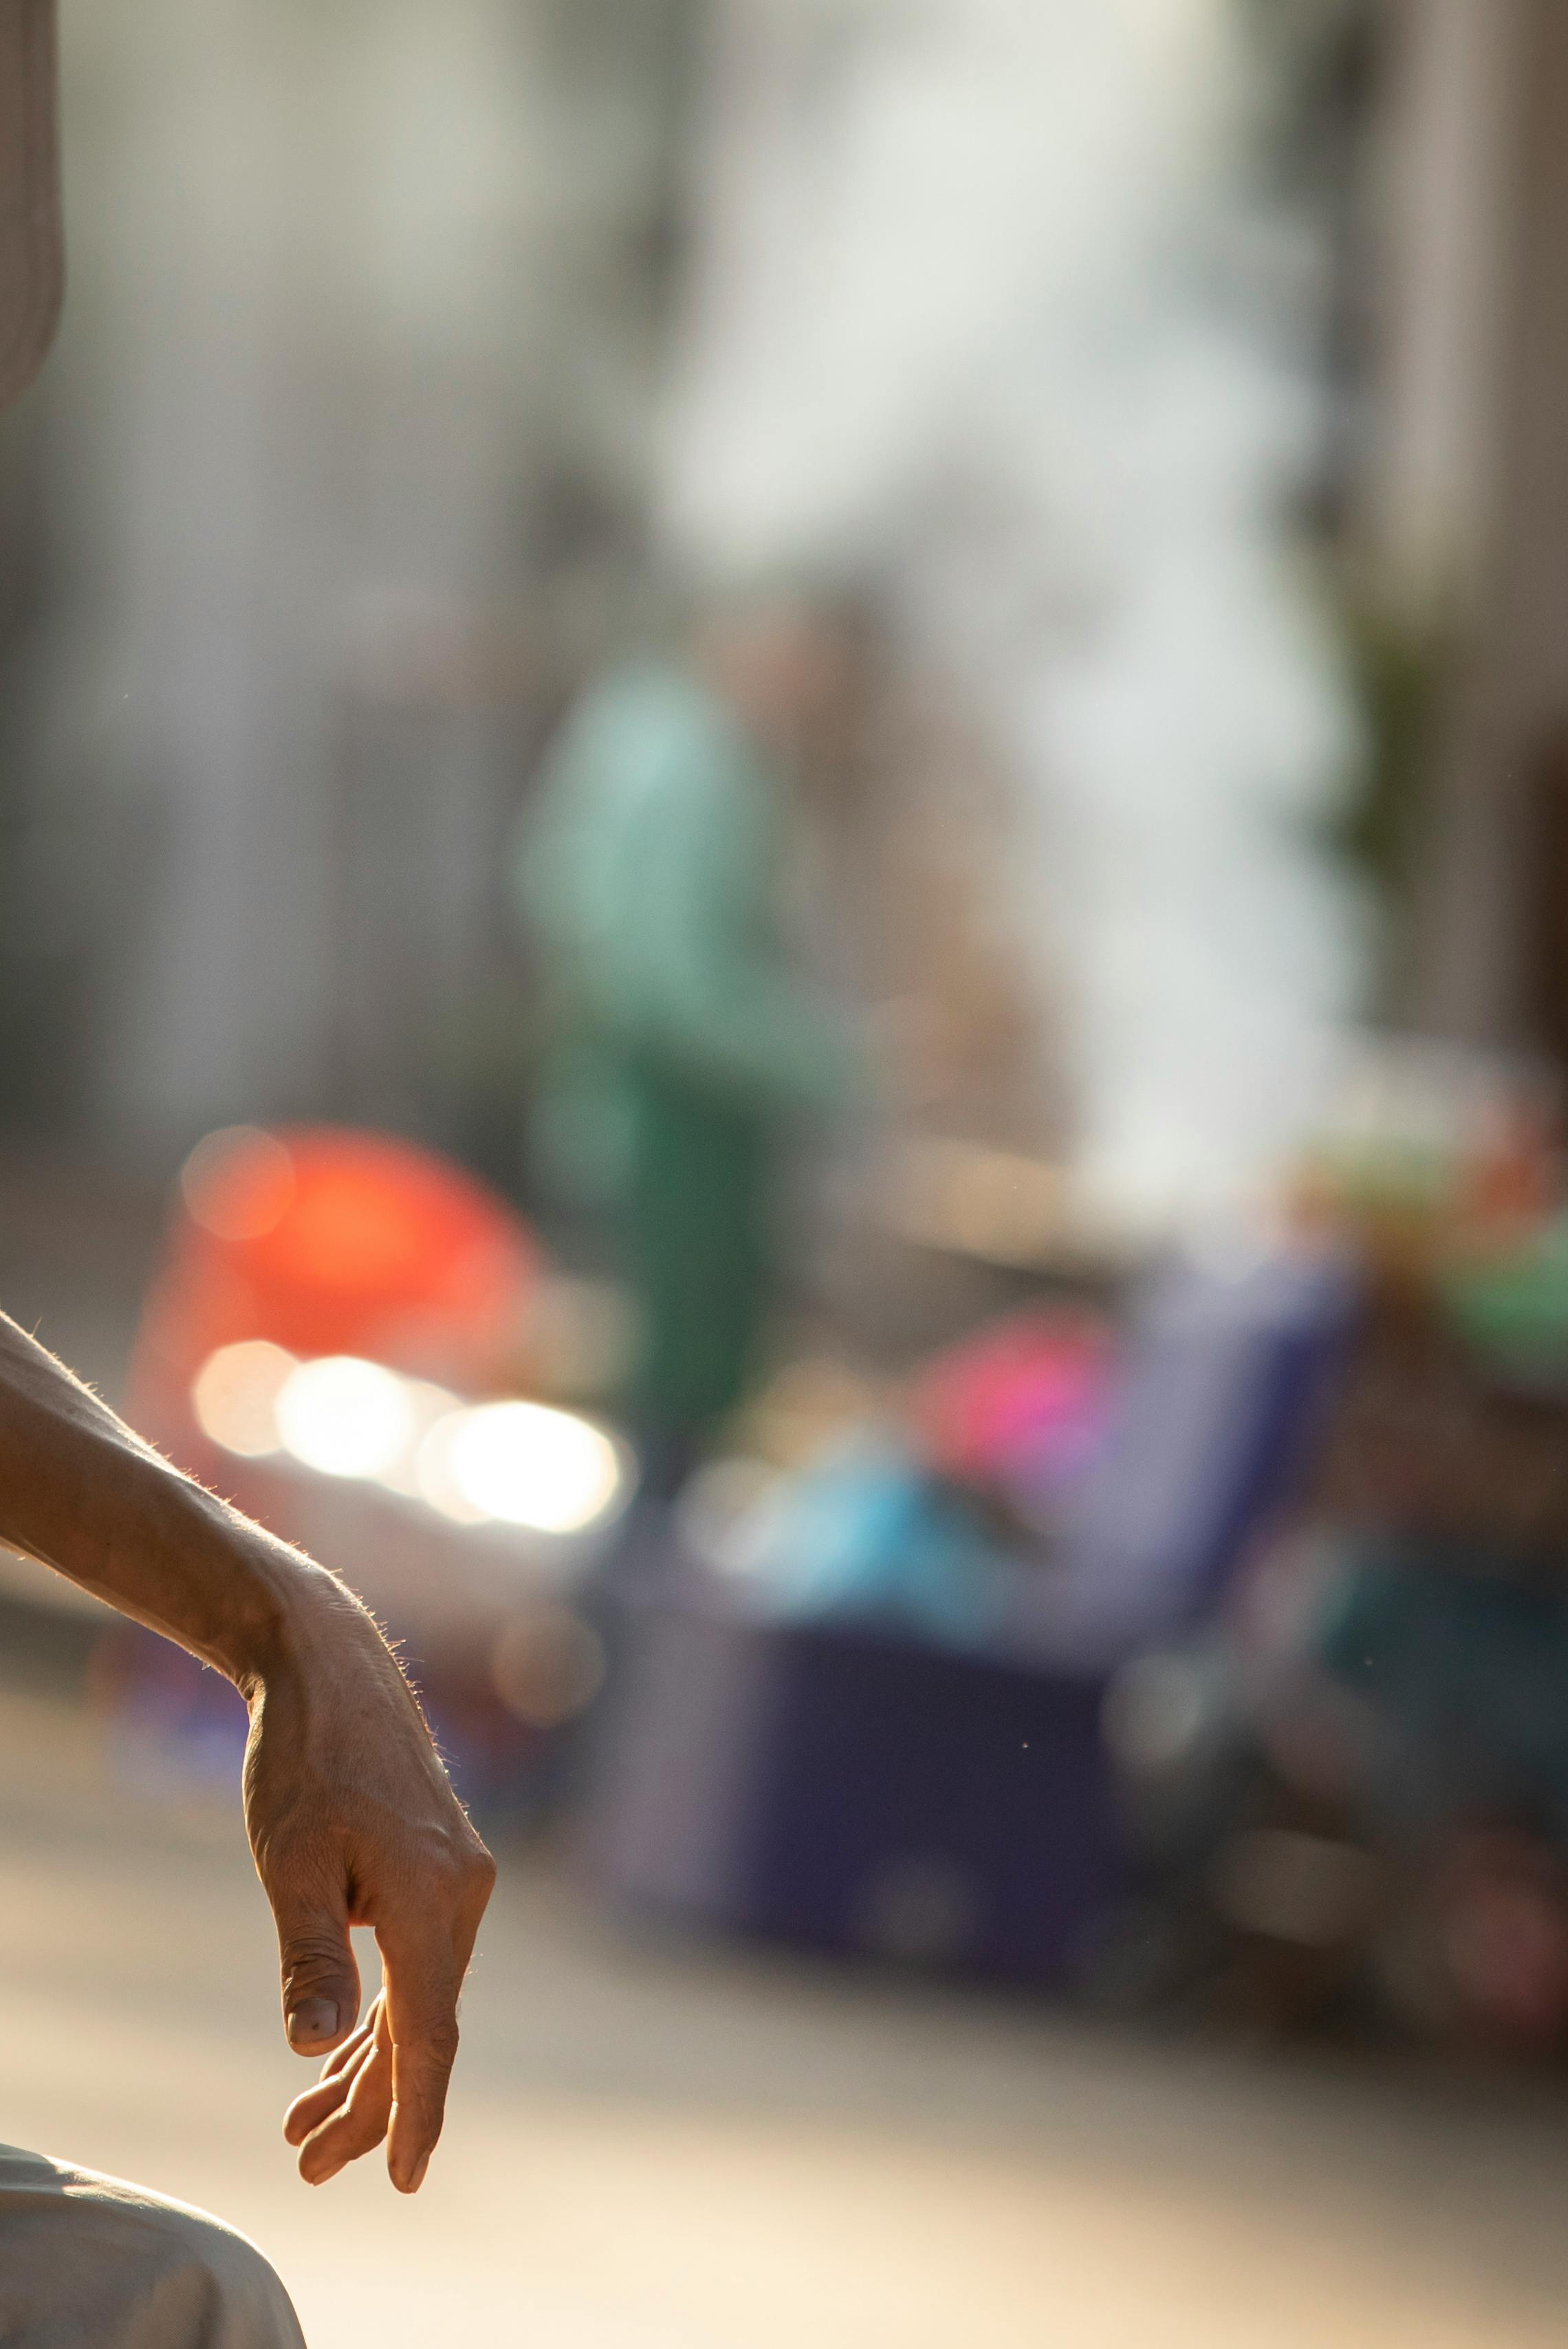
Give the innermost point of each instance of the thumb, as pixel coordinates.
(320, 1978)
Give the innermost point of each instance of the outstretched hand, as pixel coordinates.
(353, 1821)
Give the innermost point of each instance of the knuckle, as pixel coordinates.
(313, 1955)
(453, 1872)
(444, 1868)
(440, 2040)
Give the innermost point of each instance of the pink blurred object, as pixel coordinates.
(1026, 1404)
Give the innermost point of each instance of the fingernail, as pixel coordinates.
(311, 2020)
(418, 2179)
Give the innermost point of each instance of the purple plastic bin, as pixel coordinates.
(841, 1788)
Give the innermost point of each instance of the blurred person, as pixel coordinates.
(648, 874)
(350, 1815)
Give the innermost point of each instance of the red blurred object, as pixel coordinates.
(1505, 1914)
(327, 1241)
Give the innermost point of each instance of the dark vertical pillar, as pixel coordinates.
(1483, 956)
(30, 263)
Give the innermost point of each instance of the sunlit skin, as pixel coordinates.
(350, 1815)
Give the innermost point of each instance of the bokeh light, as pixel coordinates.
(238, 1183)
(428, 1405)
(435, 1479)
(547, 1666)
(522, 1464)
(346, 1417)
(234, 1396)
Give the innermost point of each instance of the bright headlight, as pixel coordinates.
(344, 1417)
(522, 1464)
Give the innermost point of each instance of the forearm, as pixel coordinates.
(80, 1492)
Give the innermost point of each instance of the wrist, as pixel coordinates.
(263, 1607)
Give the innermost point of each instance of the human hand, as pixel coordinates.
(353, 1821)
(354, 2095)
(352, 1818)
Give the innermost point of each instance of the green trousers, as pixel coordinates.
(696, 1244)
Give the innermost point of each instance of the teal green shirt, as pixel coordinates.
(648, 873)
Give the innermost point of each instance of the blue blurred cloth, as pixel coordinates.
(870, 1537)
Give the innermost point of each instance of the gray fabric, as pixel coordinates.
(88, 2263)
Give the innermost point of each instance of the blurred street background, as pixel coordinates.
(784, 862)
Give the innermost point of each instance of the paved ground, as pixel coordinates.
(655, 2147)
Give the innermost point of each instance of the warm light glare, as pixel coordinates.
(515, 1463)
(236, 1394)
(428, 1405)
(433, 1473)
(346, 1417)
(238, 1183)
(525, 1466)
